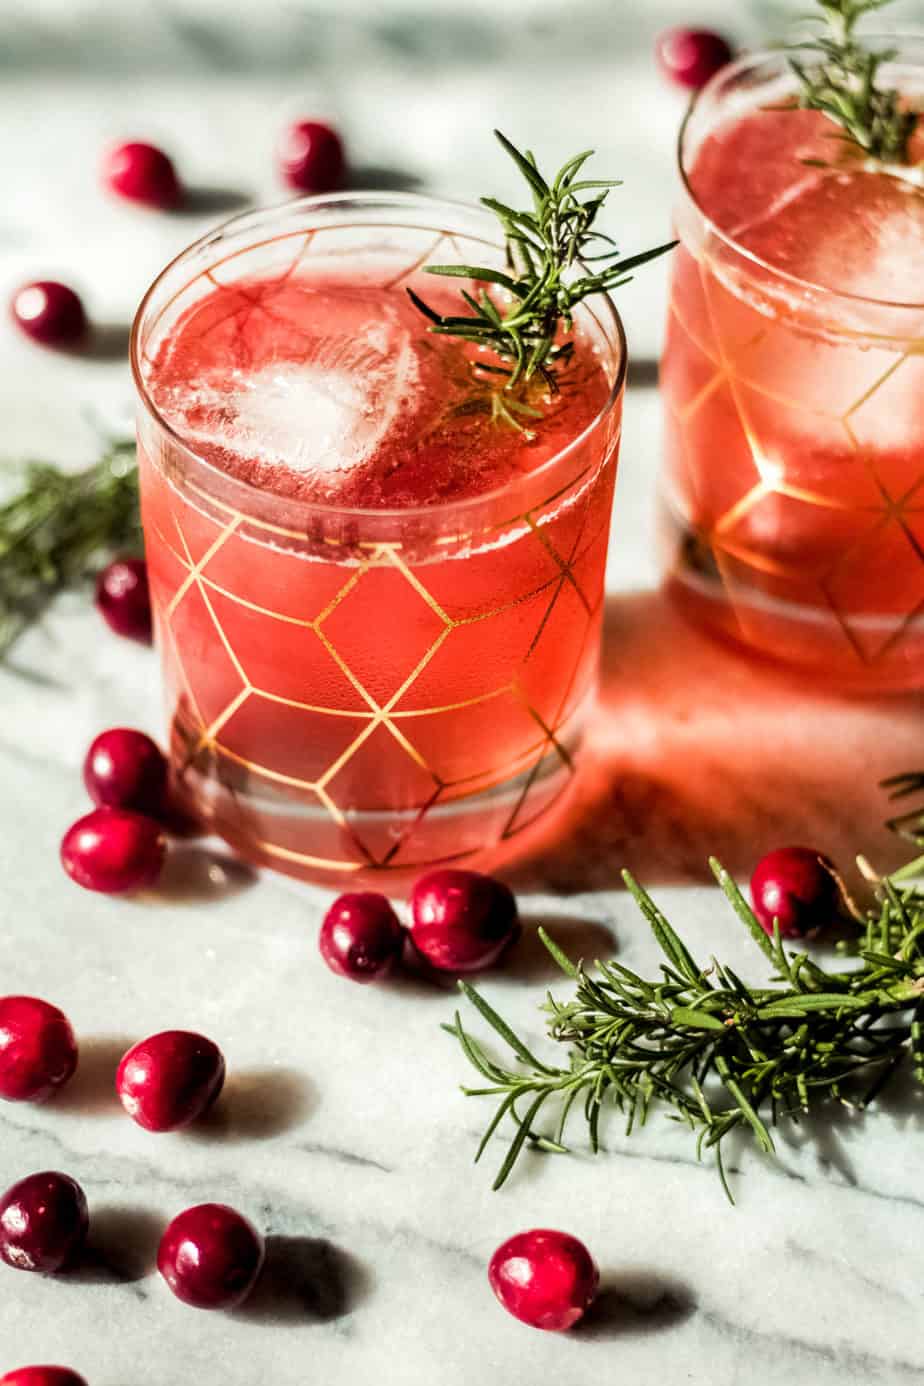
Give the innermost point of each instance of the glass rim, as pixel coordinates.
(733, 69)
(613, 330)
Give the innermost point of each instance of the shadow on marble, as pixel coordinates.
(208, 201)
(829, 1133)
(530, 961)
(108, 341)
(195, 872)
(637, 1302)
(255, 1105)
(643, 372)
(697, 750)
(91, 1091)
(122, 1246)
(305, 1280)
(382, 178)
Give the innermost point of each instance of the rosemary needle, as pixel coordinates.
(843, 84)
(723, 1055)
(556, 257)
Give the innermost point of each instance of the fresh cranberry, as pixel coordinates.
(211, 1257)
(170, 1079)
(42, 1376)
(142, 173)
(126, 769)
(462, 921)
(311, 157)
(49, 313)
(544, 1278)
(123, 597)
(690, 57)
(797, 886)
(361, 937)
(38, 1051)
(114, 851)
(43, 1223)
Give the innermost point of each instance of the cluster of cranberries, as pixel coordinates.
(210, 1256)
(461, 921)
(311, 159)
(120, 846)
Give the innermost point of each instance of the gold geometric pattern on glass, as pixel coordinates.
(377, 714)
(885, 516)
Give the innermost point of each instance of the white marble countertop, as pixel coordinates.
(343, 1133)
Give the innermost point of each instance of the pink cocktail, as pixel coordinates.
(379, 607)
(794, 383)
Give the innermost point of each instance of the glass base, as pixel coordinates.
(292, 832)
(739, 604)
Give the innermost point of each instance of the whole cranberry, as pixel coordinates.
(49, 313)
(690, 57)
(42, 1376)
(167, 1081)
(113, 851)
(361, 937)
(142, 173)
(126, 769)
(462, 921)
(311, 157)
(544, 1278)
(43, 1223)
(211, 1256)
(38, 1051)
(124, 599)
(798, 886)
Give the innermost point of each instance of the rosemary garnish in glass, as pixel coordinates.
(57, 526)
(556, 257)
(843, 85)
(724, 1055)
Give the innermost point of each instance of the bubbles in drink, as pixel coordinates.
(326, 385)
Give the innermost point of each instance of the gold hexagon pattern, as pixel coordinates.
(731, 379)
(323, 704)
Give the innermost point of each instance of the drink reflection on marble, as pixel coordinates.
(793, 504)
(378, 609)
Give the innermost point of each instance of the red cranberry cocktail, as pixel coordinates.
(378, 603)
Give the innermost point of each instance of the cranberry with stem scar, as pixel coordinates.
(168, 1080)
(43, 1223)
(142, 173)
(38, 1051)
(126, 769)
(361, 937)
(50, 313)
(210, 1256)
(113, 851)
(42, 1376)
(690, 57)
(124, 600)
(311, 157)
(799, 887)
(462, 921)
(544, 1278)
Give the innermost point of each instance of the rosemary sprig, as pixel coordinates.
(556, 257)
(58, 526)
(724, 1055)
(843, 85)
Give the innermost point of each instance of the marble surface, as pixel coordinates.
(342, 1132)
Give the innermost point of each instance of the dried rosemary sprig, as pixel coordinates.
(555, 258)
(843, 85)
(57, 527)
(724, 1055)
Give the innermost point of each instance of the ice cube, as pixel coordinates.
(323, 413)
